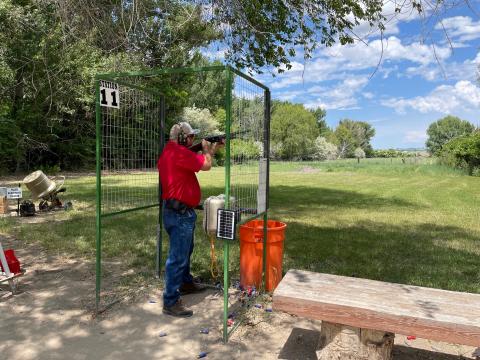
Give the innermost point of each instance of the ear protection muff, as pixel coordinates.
(182, 137)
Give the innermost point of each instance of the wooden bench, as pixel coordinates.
(360, 317)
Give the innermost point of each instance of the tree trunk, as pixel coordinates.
(342, 342)
(17, 96)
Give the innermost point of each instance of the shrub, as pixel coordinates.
(476, 172)
(391, 153)
(200, 119)
(324, 150)
(442, 131)
(463, 152)
(359, 153)
(242, 150)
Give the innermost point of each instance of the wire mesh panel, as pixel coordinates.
(248, 170)
(129, 139)
(130, 146)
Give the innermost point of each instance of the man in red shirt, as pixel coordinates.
(181, 193)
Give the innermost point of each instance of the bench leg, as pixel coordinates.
(342, 342)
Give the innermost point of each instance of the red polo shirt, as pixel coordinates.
(177, 167)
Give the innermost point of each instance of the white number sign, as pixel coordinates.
(109, 94)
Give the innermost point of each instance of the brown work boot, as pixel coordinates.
(177, 309)
(191, 288)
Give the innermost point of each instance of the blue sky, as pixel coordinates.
(428, 70)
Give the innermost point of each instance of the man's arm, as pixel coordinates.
(209, 150)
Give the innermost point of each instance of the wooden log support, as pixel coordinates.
(343, 342)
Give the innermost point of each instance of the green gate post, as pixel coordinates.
(266, 154)
(158, 268)
(226, 244)
(98, 230)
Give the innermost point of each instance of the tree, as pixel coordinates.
(344, 140)
(320, 117)
(220, 117)
(350, 134)
(50, 51)
(208, 90)
(293, 131)
(362, 133)
(256, 34)
(269, 33)
(359, 153)
(442, 131)
(200, 119)
(324, 150)
(463, 152)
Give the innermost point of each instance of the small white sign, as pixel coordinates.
(14, 193)
(109, 94)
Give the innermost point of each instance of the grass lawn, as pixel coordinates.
(412, 223)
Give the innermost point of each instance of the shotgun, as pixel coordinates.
(216, 138)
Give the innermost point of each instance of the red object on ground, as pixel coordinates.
(230, 322)
(251, 253)
(12, 262)
(411, 337)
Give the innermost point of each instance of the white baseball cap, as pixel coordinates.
(182, 127)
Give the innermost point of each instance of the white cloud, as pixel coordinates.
(295, 66)
(336, 104)
(464, 95)
(466, 70)
(341, 96)
(360, 56)
(342, 63)
(317, 89)
(415, 136)
(458, 45)
(288, 95)
(286, 81)
(336, 62)
(346, 65)
(460, 28)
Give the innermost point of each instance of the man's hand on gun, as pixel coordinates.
(211, 148)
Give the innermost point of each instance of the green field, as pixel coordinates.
(412, 223)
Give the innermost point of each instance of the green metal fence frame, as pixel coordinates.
(116, 77)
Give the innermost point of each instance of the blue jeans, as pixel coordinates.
(180, 229)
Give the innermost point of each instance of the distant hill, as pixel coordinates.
(411, 149)
(405, 149)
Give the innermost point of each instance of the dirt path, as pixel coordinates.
(50, 319)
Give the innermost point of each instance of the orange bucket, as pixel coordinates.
(251, 253)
